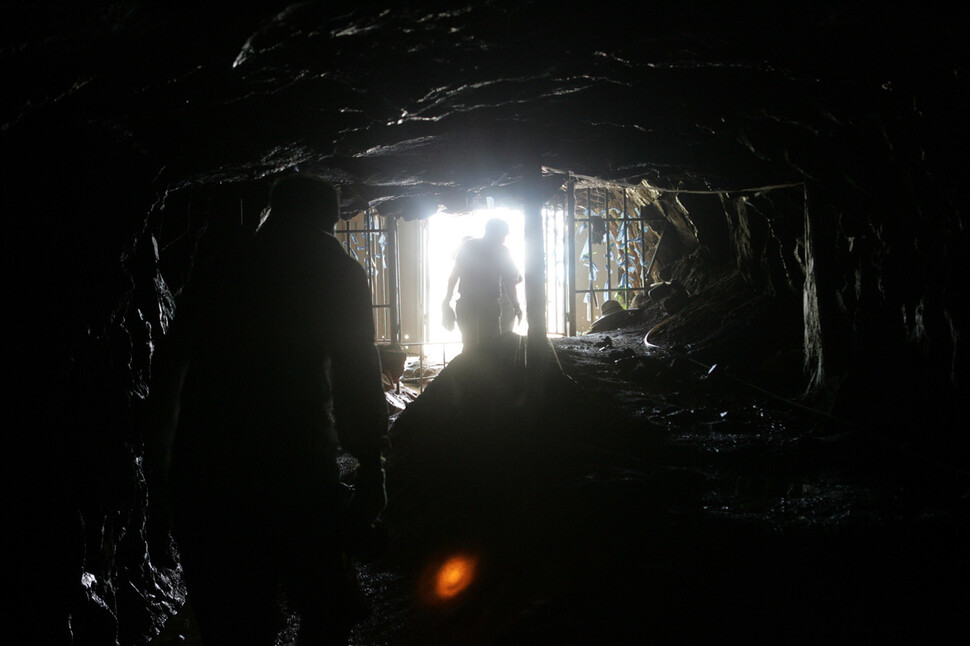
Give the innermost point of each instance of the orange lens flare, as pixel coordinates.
(454, 576)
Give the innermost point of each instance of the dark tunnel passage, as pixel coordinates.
(768, 448)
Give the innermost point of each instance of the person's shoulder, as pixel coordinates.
(342, 261)
(468, 251)
(470, 246)
(331, 243)
(506, 255)
(331, 247)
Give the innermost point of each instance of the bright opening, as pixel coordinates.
(446, 233)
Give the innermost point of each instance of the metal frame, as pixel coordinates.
(558, 222)
(554, 225)
(622, 223)
(383, 282)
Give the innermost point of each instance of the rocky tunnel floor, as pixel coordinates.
(662, 504)
(628, 496)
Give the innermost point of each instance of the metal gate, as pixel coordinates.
(604, 248)
(371, 240)
(598, 246)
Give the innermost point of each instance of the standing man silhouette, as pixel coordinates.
(483, 272)
(268, 371)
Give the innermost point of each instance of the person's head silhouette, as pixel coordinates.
(496, 230)
(304, 200)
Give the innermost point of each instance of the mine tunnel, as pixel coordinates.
(733, 410)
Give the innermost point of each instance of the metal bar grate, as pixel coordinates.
(365, 238)
(626, 250)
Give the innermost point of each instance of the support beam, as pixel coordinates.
(570, 255)
(393, 282)
(535, 271)
(607, 247)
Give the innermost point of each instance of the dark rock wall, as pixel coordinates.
(89, 306)
(872, 238)
(134, 147)
(888, 228)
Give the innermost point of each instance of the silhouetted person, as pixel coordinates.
(484, 272)
(510, 311)
(270, 365)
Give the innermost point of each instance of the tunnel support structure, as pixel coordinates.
(570, 255)
(535, 279)
(393, 282)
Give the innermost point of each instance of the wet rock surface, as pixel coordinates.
(663, 504)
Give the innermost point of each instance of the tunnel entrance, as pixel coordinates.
(443, 235)
(600, 241)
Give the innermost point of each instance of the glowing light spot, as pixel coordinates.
(454, 576)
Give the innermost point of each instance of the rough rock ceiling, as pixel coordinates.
(446, 101)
